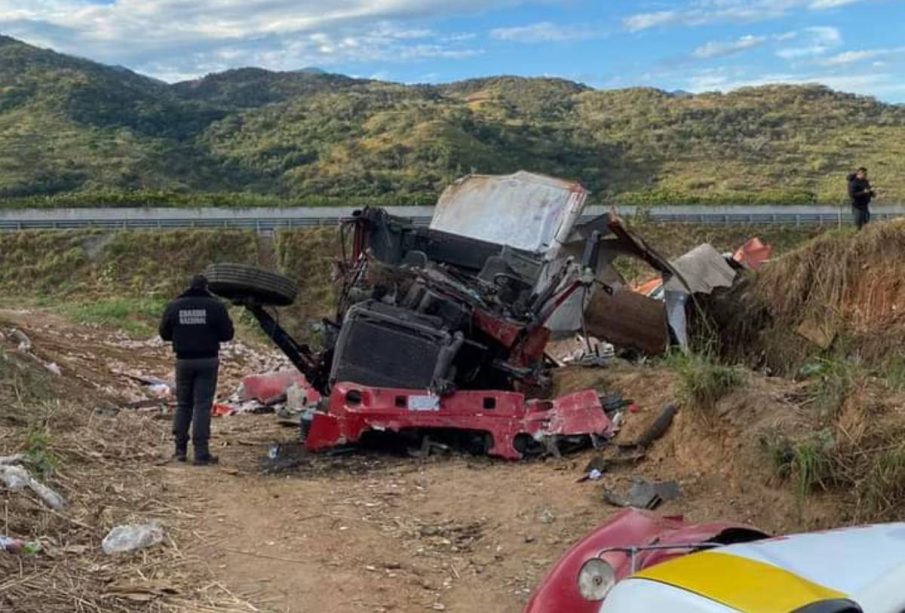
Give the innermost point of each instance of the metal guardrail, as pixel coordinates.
(269, 224)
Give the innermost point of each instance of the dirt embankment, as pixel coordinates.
(86, 265)
(841, 295)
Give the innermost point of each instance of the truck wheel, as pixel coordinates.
(236, 281)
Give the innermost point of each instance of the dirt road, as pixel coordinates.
(376, 532)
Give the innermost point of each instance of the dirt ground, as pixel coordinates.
(377, 531)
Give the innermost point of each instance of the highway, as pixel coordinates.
(266, 220)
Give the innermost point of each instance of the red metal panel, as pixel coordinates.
(353, 409)
(266, 387)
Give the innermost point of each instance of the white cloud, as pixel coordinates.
(702, 12)
(544, 32)
(643, 21)
(721, 49)
(867, 84)
(851, 57)
(180, 37)
(812, 42)
(829, 4)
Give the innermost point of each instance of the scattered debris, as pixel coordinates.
(144, 591)
(14, 545)
(25, 347)
(17, 458)
(429, 447)
(752, 254)
(130, 537)
(24, 341)
(273, 387)
(594, 470)
(16, 478)
(643, 494)
(546, 516)
(581, 351)
(656, 430)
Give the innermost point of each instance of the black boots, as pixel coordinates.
(181, 451)
(203, 455)
(205, 460)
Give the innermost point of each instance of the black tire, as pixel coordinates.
(237, 281)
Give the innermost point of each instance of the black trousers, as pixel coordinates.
(862, 216)
(196, 384)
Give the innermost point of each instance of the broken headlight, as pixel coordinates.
(595, 579)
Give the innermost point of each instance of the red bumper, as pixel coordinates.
(354, 410)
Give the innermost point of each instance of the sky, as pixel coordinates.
(692, 45)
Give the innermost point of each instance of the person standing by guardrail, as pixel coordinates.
(860, 193)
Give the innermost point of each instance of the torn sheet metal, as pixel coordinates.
(616, 241)
(700, 271)
(354, 410)
(676, 316)
(752, 254)
(628, 319)
(523, 210)
(269, 387)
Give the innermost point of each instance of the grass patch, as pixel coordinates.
(702, 380)
(808, 462)
(135, 316)
(831, 382)
(883, 487)
(894, 373)
(811, 463)
(37, 449)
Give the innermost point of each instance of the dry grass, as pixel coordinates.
(106, 467)
(851, 281)
(848, 285)
(703, 381)
(855, 450)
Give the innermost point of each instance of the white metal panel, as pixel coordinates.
(523, 210)
(850, 560)
(637, 595)
(886, 595)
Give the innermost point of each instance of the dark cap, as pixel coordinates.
(198, 282)
(862, 169)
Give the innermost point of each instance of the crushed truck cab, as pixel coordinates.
(445, 327)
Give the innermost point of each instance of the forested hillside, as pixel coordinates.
(77, 132)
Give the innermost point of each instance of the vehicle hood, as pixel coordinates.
(850, 560)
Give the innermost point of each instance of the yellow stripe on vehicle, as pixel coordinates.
(740, 583)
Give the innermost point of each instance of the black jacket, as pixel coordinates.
(859, 191)
(197, 323)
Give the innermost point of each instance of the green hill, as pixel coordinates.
(74, 131)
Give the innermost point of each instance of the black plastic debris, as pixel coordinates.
(643, 494)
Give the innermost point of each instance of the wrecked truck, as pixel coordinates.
(444, 328)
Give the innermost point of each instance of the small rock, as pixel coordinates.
(546, 516)
(439, 606)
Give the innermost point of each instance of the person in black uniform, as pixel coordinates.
(196, 322)
(860, 193)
